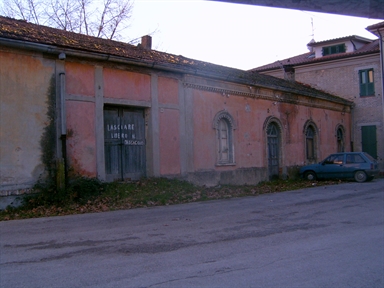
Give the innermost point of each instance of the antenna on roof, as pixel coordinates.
(313, 29)
(313, 37)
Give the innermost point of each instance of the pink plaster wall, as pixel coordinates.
(24, 91)
(169, 92)
(81, 138)
(126, 85)
(169, 142)
(204, 137)
(80, 79)
(249, 136)
(249, 115)
(326, 122)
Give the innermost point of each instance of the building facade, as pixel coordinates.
(350, 67)
(119, 112)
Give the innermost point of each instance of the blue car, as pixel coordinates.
(357, 165)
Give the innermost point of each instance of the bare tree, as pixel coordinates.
(101, 18)
(24, 9)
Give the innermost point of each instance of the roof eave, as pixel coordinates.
(320, 60)
(55, 51)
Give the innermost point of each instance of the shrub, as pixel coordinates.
(78, 190)
(81, 189)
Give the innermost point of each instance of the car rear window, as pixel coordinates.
(369, 157)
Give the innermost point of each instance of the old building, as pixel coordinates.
(349, 67)
(116, 111)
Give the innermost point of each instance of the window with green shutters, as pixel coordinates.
(334, 49)
(367, 87)
(369, 141)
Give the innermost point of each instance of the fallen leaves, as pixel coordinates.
(155, 192)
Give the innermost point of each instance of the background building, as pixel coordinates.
(350, 67)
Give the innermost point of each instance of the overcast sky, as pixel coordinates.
(234, 35)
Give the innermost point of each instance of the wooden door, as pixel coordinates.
(124, 138)
(369, 140)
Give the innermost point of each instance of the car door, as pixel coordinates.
(332, 167)
(353, 163)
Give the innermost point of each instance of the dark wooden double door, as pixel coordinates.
(273, 138)
(124, 143)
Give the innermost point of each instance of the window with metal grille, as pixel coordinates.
(367, 87)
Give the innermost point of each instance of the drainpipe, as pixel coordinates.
(382, 77)
(63, 120)
(61, 167)
(352, 125)
(382, 66)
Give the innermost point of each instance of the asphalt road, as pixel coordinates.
(330, 236)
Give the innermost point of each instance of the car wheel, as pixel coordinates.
(310, 175)
(360, 176)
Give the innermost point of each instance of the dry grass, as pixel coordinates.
(89, 196)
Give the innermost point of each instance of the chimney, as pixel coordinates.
(289, 73)
(146, 42)
(310, 47)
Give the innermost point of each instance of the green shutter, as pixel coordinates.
(366, 82)
(369, 142)
(370, 89)
(362, 84)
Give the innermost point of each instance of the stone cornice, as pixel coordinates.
(275, 97)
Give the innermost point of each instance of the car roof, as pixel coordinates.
(347, 153)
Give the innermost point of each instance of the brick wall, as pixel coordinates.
(341, 78)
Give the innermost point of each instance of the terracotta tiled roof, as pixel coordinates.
(375, 26)
(56, 40)
(309, 57)
(346, 38)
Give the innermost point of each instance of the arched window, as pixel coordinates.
(273, 135)
(340, 138)
(311, 141)
(274, 139)
(224, 143)
(224, 125)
